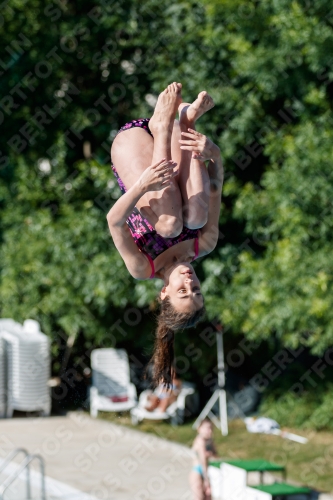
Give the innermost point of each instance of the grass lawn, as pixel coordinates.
(308, 464)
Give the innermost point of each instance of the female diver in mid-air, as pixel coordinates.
(166, 218)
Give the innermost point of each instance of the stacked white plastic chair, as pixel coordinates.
(5, 325)
(111, 388)
(2, 379)
(27, 367)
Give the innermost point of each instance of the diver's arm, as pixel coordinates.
(209, 233)
(154, 178)
(123, 207)
(203, 149)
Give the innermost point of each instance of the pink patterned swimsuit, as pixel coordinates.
(146, 238)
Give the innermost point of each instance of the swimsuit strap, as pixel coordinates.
(196, 248)
(151, 262)
(196, 253)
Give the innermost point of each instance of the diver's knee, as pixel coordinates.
(171, 227)
(196, 220)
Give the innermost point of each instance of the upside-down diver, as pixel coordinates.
(169, 210)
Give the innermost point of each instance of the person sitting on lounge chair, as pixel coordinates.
(162, 397)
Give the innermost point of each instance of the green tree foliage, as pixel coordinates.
(74, 72)
(312, 410)
(280, 280)
(58, 263)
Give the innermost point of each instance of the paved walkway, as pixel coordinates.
(105, 461)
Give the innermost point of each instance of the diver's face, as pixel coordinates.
(183, 288)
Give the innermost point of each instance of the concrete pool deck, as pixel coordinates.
(87, 458)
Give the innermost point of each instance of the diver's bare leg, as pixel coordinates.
(193, 177)
(134, 150)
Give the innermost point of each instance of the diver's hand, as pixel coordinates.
(202, 148)
(157, 176)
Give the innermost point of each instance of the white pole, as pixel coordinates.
(221, 383)
(223, 413)
(219, 393)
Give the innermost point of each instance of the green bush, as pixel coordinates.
(311, 410)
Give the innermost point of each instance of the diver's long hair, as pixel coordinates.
(168, 322)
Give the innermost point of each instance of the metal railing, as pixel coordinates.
(10, 458)
(25, 464)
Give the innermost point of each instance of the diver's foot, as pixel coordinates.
(189, 113)
(166, 108)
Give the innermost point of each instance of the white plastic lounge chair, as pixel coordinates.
(111, 387)
(175, 412)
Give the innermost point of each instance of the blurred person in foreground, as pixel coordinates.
(203, 448)
(167, 218)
